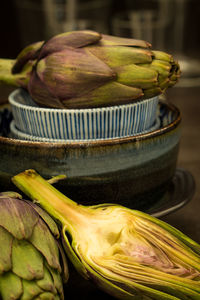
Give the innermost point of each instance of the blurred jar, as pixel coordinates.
(170, 25)
(41, 19)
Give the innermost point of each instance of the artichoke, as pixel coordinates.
(82, 69)
(127, 253)
(32, 264)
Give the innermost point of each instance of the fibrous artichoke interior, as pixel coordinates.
(127, 253)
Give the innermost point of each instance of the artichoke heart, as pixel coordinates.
(127, 253)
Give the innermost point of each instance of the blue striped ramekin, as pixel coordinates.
(17, 134)
(82, 124)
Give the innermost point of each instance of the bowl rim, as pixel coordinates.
(13, 102)
(101, 142)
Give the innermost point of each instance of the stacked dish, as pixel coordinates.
(32, 122)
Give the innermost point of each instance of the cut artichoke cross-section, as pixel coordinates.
(127, 253)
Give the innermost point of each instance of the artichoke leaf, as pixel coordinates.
(43, 241)
(70, 72)
(137, 76)
(46, 218)
(120, 41)
(47, 282)
(112, 93)
(13, 290)
(56, 279)
(30, 290)
(72, 39)
(19, 220)
(6, 248)
(115, 56)
(27, 268)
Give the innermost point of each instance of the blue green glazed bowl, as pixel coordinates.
(134, 171)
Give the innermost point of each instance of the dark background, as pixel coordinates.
(25, 21)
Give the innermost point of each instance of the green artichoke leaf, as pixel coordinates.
(121, 41)
(47, 282)
(137, 76)
(46, 218)
(160, 55)
(5, 253)
(56, 279)
(27, 268)
(115, 56)
(127, 253)
(148, 93)
(10, 286)
(30, 290)
(162, 67)
(47, 296)
(43, 241)
(19, 220)
(112, 93)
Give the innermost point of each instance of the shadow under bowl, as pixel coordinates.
(133, 171)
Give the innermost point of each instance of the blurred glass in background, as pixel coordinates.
(170, 25)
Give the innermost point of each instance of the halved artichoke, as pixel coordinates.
(127, 253)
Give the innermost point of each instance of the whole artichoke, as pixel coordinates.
(32, 264)
(82, 69)
(127, 253)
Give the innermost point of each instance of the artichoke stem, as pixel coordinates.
(54, 202)
(6, 76)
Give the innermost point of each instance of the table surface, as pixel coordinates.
(187, 219)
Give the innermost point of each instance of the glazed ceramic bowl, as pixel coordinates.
(82, 124)
(134, 171)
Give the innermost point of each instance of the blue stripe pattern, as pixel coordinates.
(17, 134)
(82, 124)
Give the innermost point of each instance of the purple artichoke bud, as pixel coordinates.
(83, 69)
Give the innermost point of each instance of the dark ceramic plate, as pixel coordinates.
(180, 191)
